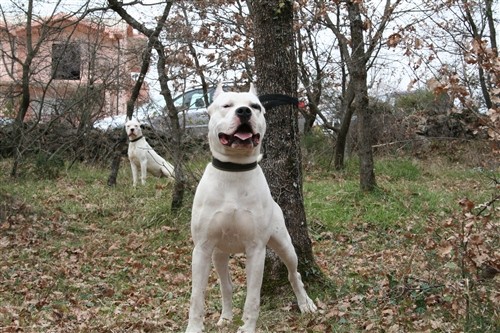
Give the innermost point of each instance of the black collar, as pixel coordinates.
(136, 139)
(234, 167)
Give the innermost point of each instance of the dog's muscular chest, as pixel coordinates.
(137, 151)
(232, 211)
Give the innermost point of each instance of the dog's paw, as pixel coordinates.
(224, 320)
(308, 306)
(244, 330)
(194, 328)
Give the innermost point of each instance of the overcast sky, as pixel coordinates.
(394, 75)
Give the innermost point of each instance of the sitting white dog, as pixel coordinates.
(233, 212)
(143, 156)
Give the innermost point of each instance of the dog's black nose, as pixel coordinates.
(243, 113)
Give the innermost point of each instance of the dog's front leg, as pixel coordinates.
(281, 243)
(255, 270)
(221, 262)
(144, 170)
(133, 167)
(200, 271)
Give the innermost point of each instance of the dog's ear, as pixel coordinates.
(252, 90)
(218, 91)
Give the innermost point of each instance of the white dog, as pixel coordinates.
(233, 211)
(143, 156)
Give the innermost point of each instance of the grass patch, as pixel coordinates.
(79, 256)
(406, 190)
(398, 169)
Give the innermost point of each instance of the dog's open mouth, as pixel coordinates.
(242, 137)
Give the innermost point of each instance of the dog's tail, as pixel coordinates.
(273, 100)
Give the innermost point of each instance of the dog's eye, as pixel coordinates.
(256, 106)
(225, 106)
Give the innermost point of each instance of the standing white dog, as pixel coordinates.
(233, 212)
(143, 156)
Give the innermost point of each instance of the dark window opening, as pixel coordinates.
(66, 61)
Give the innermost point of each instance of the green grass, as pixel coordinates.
(79, 256)
(406, 191)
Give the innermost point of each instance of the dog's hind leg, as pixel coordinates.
(281, 243)
(168, 170)
(221, 264)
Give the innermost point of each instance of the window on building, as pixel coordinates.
(66, 61)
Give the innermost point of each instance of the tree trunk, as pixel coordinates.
(347, 106)
(313, 84)
(346, 103)
(119, 150)
(277, 73)
(478, 36)
(177, 133)
(491, 26)
(25, 96)
(358, 71)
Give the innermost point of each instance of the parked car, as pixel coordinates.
(6, 121)
(192, 114)
(110, 122)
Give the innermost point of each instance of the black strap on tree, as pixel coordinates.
(270, 101)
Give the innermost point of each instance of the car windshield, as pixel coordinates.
(192, 99)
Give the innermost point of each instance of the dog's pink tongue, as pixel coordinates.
(243, 135)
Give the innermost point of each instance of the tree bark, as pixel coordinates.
(358, 70)
(477, 35)
(313, 83)
(177, 132)
(491, 26)
(347, 97)
(275, 62)
(355, 96)
(25, 96)
(348, 111)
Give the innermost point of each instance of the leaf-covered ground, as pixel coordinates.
(78, 256)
